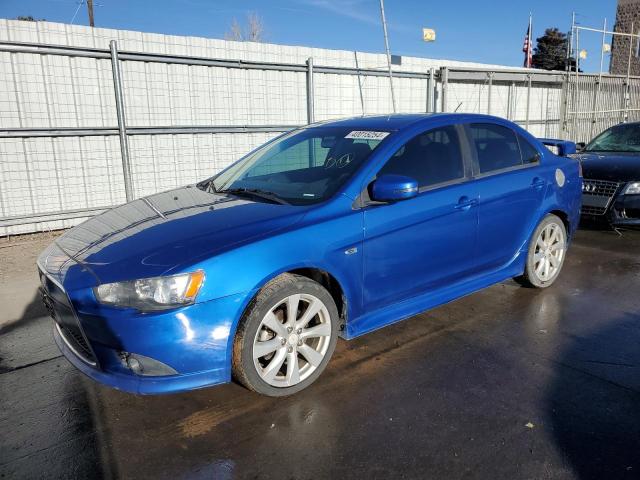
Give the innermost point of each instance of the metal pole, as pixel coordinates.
(355, 56)
(122, 127)
(626, 89)
(598, 86)
(576, 98)
(564, 103)
(444, 79)
(90, 10)
(386, 46)
(526, 124)
(310, 112)
(510, 101)
(546, 114)
(489, 92)
(570, 42)
(431, 91)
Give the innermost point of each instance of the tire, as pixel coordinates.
(269, 344)
(546, 254)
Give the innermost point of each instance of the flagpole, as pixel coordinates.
(530, 39)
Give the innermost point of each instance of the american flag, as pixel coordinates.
(527, 47)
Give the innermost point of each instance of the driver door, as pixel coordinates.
(427, 241)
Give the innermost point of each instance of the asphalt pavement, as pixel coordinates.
(507, 383)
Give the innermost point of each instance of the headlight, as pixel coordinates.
(632, 189)
(152, 293)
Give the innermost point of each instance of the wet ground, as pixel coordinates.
(507, 383)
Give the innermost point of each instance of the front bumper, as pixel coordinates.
(192, 342)
(604, 202)
(625, 211)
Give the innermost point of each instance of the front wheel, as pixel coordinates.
(286, 337)
(547, 250)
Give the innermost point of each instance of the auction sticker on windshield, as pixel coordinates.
(367, 135)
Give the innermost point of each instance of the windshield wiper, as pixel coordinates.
(255, 192)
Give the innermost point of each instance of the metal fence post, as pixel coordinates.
(510, 101)
(564, 104)
(489, 91)
(627, 90)
(526, 123)
(596, 92)
(431, 91)
(444, 79)
(310, 112)
(122, 126)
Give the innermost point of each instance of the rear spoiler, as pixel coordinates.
(564, 147)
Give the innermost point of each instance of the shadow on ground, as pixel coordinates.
(33, 310)
(598, 429)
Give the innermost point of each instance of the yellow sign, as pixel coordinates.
(428, 34)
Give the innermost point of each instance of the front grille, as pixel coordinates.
(592, 210)
(61, 310)
(602, 188)
(597, 196)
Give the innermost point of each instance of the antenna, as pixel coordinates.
(76, 12)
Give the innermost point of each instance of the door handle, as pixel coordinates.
(538, 183)
(465, 203)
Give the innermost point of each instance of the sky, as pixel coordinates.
(487, 31)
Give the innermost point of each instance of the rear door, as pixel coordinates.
(427, 241)
(511, 186)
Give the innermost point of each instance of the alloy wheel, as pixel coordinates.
(292, 340)
(549, 252)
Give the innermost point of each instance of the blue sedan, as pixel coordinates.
(335, 229)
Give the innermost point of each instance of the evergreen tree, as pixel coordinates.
(551, 51)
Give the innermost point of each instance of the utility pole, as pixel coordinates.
(386, 45)
(90, 9)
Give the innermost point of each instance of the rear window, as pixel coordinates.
(528, 151)
(496, 147)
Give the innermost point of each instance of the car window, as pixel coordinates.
(430, 158)
(496, 147)
(528, 151)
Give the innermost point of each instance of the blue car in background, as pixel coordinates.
(334, 229)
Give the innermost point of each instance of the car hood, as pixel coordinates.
(617, 167)
(153, 235)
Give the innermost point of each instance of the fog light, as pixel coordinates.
(145, 366)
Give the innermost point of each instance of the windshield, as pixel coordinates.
(303, 167)
(621, 138)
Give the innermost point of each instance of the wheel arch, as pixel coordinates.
(324, 277)
(333, 286)
(564, 216)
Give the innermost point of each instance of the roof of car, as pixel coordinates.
(394, 121)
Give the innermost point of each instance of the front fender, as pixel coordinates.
(319, 244)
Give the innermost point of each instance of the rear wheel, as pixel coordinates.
(546, 254)
(286, 337)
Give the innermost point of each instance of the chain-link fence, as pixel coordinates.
(83, 128)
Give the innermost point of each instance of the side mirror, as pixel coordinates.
(580, 146)
(392, 188)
